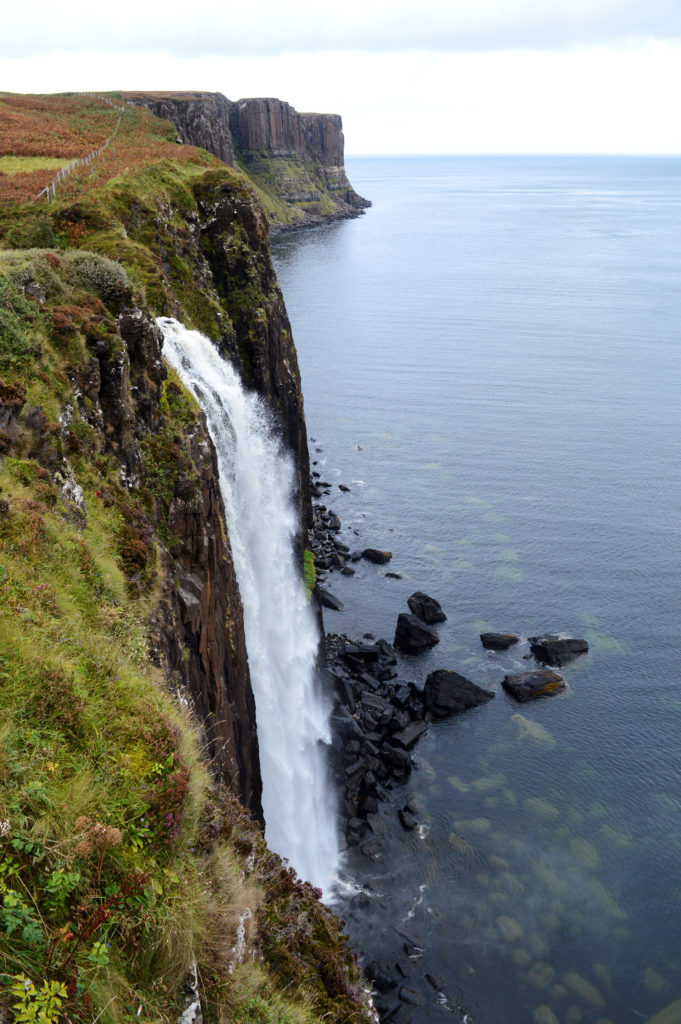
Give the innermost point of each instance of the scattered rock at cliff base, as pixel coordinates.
(554, 650)
(329, 600)
(376, 556)
(407, 737)
(427, 608)
(448, 693)
(412, 635)
(408, 815)
(526, 686)
(498, 641)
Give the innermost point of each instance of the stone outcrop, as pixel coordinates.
(524, 686)
(233, 242)
(554, 650)
(426, 608)
(296, 160)
(412, 635)
(198, 626)
(449, 693)
(498, 641)
(201, 118)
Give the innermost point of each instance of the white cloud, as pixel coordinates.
(594, 100)
(268, 28)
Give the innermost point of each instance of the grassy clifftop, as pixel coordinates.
(130, 875)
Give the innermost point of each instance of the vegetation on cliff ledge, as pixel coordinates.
(126, 869)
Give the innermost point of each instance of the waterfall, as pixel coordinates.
(257, 484)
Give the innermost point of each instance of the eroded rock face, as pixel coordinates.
(201, 118)
(235, 243)
(267, 125)
(200, 626)
(324, 136)
(297, 158)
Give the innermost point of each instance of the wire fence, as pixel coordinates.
(50, 190)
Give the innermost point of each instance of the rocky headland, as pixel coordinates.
(296, 161)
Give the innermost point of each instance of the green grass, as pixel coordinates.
(121, 862)
(22, 164)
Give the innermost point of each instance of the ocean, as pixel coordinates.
(491, 363)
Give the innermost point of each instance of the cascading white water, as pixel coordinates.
(256, 479)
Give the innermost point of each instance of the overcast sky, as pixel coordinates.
(407, 76)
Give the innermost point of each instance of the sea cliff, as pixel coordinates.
(135, 879)
(295, 161)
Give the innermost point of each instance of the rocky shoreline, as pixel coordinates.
(377, 720)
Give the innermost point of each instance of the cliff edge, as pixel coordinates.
(136, 882)
(295, 161)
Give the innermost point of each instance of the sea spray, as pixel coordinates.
(257, 479)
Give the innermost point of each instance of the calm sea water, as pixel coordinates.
(491, 361)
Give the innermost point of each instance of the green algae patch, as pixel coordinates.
(584, 990)
(544, 1015)
(510, 930)
(529, 730)
(585, 852)
(671, 1014)
(654, 981)
(541, 808)
(473, 826)
(488, 783)
(541, 975)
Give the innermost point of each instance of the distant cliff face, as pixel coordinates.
(296, 161)
(201, 118)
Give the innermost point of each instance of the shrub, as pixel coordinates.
(100, 275)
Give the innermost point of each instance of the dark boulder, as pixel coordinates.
(376, 556)
(526, 686)
(498, 641)
(427, 608)
(553, 650)
(407, 737)
(329, 600)
(448, 693)
(408, 816)
(412, 635)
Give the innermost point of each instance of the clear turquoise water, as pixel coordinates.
(491, 360)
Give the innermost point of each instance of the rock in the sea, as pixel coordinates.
(376, 556)
(427, 608)
(526, 686)
(448, 693)
(329, 600)
(553, 650)
(408, 815)
(412, 635)
(498, 641)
